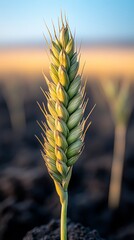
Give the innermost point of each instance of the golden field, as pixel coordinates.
(100, 62)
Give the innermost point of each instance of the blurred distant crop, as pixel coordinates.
(119, 98)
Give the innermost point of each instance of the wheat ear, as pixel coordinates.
(64, 131)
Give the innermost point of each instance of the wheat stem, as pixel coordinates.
(117, 166)
(63, 227)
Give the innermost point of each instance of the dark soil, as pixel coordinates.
(51, 231)
(27, 194)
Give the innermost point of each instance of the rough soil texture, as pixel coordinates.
(51, 231)
(27, 194)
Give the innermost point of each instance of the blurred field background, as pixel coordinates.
(104, 30)
(100, 61)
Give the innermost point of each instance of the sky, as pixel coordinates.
(92, 20)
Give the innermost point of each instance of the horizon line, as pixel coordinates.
(85, 43)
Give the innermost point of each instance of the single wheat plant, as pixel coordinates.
(65, 127)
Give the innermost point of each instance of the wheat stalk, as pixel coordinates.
(65, 129)
(118, 95)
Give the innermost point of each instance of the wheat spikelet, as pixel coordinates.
(64, 131)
